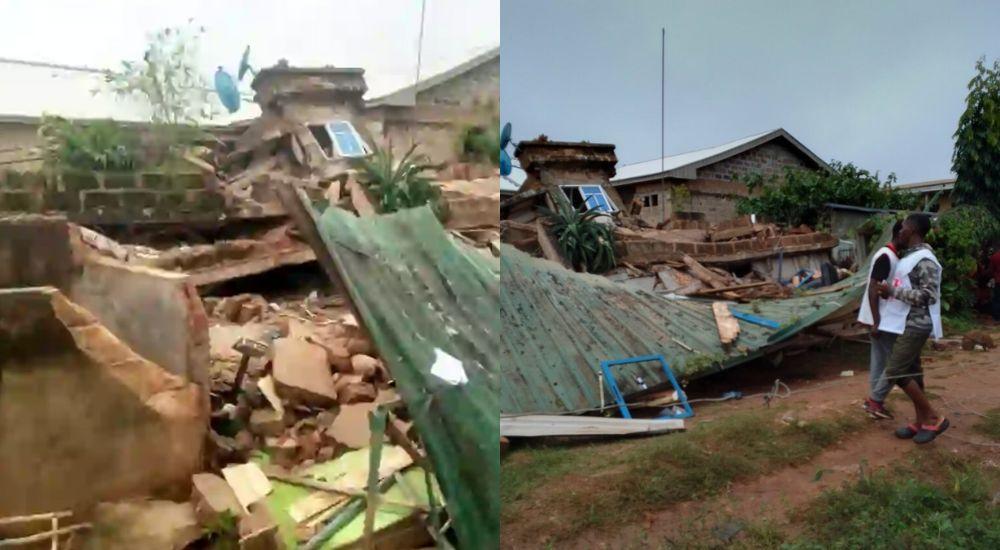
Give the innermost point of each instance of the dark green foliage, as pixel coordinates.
(586, 243)
(907, 509)
(976, 160)
(480, 144)
(958, 238)
(100, 145)
(799, 197)
(400, 184)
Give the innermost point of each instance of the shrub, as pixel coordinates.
(799, 197)
(958, 238)
(480, 144)
(101, 145)
(400, 184)
(586, 243)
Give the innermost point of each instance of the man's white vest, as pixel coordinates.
(895, 311)
(865, 315)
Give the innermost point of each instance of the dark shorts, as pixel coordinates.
(904, 361)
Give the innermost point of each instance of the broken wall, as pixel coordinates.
(157, 313)
(83, 418)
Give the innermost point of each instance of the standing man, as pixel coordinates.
(882, 268)
(914, 314)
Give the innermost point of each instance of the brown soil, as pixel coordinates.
(960, 382)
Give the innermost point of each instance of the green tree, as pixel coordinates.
(958, 238)
(976, 160)
(168, 79)
(799, 196)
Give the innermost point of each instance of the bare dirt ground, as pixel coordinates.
(962, 384)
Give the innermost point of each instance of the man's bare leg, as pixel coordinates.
(925, 412)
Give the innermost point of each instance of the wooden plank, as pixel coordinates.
(555, 425)
(729, 327)
(703, 273)
(252, 266)
(359, 198)
(731, 288)
(549, 249)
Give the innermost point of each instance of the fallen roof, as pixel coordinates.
(559, 325)
(405, 97)
(673, 165)
(420, 294)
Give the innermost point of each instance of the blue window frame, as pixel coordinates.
(594, 197)
(346, 140)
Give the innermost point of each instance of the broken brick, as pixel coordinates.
(302, 374)
(211, 497)
(361, 392)
(364, 365)
(266, 422)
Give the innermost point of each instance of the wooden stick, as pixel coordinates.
(35, 517)
(729, 328)
(729, 288)
(703, 274)
(43, 536)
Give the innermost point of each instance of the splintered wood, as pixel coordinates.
(728, 327)
(704, 274)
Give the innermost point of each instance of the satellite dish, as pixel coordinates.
(229, 94)
(245, 65)
(505, 163)
(505, 136)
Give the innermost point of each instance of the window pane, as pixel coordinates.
(348, 145)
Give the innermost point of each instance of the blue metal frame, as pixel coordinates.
(620, 399)
(755, 319)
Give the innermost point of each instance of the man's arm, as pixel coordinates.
(924, 283)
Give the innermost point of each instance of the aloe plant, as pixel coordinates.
(585, 242)
(400, 184)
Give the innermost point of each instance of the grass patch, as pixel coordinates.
(990, 426)
(961, 323)
(554, 493)
(934, 501)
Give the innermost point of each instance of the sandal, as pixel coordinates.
(928, 432)
(908, 431)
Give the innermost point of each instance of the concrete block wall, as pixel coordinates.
(769, 159)
(111, 197)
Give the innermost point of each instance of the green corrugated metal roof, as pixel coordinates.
(559, 325)
(417, 292)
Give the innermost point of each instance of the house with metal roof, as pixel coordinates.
(704, 184)
(927, 190)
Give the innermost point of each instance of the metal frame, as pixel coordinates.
(620, 399)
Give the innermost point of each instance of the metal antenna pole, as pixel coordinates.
(420, 49)
(663, 87)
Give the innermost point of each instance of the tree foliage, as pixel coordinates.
(169, 81)
(799, 197)
(976, 160)
(586, 243)
(958, 238)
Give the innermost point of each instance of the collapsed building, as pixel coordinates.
(206, 386)
(704, 292)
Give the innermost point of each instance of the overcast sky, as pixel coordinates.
(880, 84)
(378, 35)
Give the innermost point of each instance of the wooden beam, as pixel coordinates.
(556, 425)
(549, 249)
(729, 328)
(703, 274)
(731, 288)
(359, 198)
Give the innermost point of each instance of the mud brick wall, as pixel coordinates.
(647, 250)
(769, 159)
(111, 197)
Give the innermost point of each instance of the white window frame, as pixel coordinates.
(336, 146)
(579, 189)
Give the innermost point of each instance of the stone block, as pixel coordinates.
(211, 497)
(119, 180)
(105, 200)
(19, 201)
(266, 422)
(137, 201)
(302, 373)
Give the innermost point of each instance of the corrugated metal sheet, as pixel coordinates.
(419, 292)
(559, 325)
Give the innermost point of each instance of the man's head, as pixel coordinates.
(896, 242)
(915, 228)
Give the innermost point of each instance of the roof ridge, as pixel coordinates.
(761, 134)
